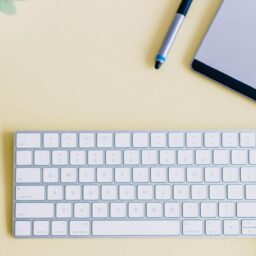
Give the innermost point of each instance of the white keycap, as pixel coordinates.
(50, 174)
(172, 210)
(79, 228)
(163, 192)
(203, 157)
(126, 192)
(230, 174)
(185, 157)
(81, 210)
(176, 140)
(59, 157)
(41, 228)
(59, 228)
(63, 210)
(239, 157)
(248, 174)
(136, 210)
(145, 192)
(229, 139)
(167, 157)
(208, 210)
(136, 228)
(199, 192)
(226, 210)
(122, 174)
(77, 157)
(158, 174)
(252, 156)
(28, 140)
(122, 140)
(28, 175)
(231, 227)
(34, 210)
(91, 192)
(104, 174)
(221, 156)
(42, 157)
(118, 210)
(247, 139)
(104, 140)
(246, 209)
(99, 210)
(249, 231)
(249, 223)
(87, 174)
(109, 192)
(149, 157)
(68, 174)
(29, 193)
(68, 140)
(190, 210)
(158, 140)
(113, 157)
(212, 139)
(95, 157)
(194, 174)
(213, 227)
(235, 192)
(55, 193)
(140, 174)
(181, 192)
(86, 140)
(24, 157)
(154, 210)
(73, 192)
(193, 139)
(217, 192)
(22, 228)
(131, 157)
(176, 174)
(212, 174)
(250, 192)
(51, 140)
(192, 227)
(140, 140)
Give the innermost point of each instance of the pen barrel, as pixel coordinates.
(171, 35)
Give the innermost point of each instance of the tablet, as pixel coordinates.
(228, 51)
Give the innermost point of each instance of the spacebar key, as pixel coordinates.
(136, 228)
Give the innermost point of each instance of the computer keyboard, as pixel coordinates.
(114, 183)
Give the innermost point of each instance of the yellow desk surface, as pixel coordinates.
(89, 65)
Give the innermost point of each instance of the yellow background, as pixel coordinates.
(88, 64)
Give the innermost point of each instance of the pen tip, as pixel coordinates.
(158, 64)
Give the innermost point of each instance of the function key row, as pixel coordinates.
(135, 139)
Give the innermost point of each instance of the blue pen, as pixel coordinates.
(172, 32)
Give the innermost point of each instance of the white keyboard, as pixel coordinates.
(104, 183)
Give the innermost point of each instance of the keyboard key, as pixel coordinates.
(34, 210)
(229, 139)
(22, 228)
(248, 174)
(95, 157)
(167, 157)
(55, 193)
(221, 156)
(77, 157)
(42, 157)
(226, 210)
(24, 157)
(73, 192)
(154, 210)
(199, 192)
(28, 140)
(230, 174)
(185, 157)
(212, 174)
(145, 192)
(231, 227)
(217, 192)
(190, 210)
(158, 140)
(163, 192)
(203, 157)
(149, 157)
(172, 210)
(122, 140)
(99, 210)
(246, 209)
(127, 192)
(136, 210)
(63, 210)
(136, 228)
(140, 140)
(29, 193)
(213, 227)
(131, 157)
(181, 192)
(208, 210)
(87, 175)
(140, 174)
(122, 174)
(28, 175)
(68, 174)
(68, 140)
(51, 140)
(86, 140)
(250, 192)
(104, 140)
(59, 157)
(81, 210)
(247, 139)
(176, 174)
(194, 139)
(118, 210)
(194, 174)
(252, 156)
(59, 228)
(41, 228)
(109, 192)
(192, 227)
(235, 192)
(176, 140)
(239, 157)
(91, 192)
(158, 174)
(50, 175)
(104, 174)
(113, 157)
(79, 228)
(212, 139)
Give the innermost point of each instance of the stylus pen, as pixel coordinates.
(172, 33)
